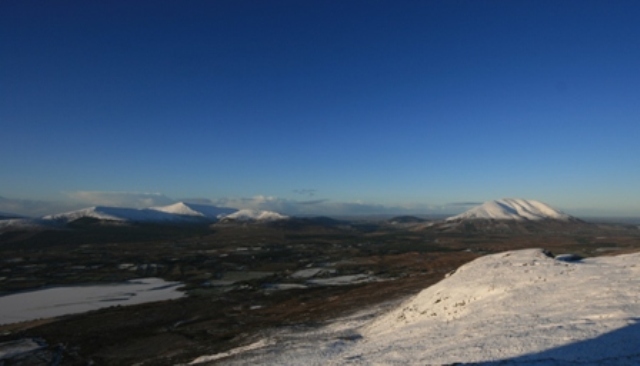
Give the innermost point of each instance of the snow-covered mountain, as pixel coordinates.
(114, 214)
(197, 210)
(7, 215)
(254, 215)
(177, 212)
(512, 209)
(18, 224)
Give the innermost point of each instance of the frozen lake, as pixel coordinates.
(57, 301)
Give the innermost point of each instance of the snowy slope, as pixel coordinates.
(513, 308)
(255, 215)
(192, 209)
(512, 209)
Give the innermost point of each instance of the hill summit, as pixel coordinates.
(196, 210)
(512, 209)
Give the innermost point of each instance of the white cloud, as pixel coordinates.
(34, 208)
(120, 199)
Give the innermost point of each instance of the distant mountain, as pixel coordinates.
(176, 213)
(19, 224)
(197, 210)
(114, 214)
(247, 215)
(512, 209)
(511, 216)
(7, 215)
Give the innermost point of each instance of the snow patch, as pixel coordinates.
(312, 272)
(202, 359)
(19, 347)
(342, 280)
(57, 301)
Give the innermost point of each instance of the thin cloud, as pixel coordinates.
(34, 208)
(464, 204)
(321, 206)
(305, 192)
(312, 202)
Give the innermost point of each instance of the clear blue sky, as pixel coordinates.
(392, 103)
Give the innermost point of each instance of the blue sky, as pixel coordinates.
(334, 106)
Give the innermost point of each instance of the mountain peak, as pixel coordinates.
(179, 208)
(195, 209)
(255, 215)
(512, 209)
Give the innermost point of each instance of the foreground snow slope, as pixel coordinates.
(512, 209)
(519, 307)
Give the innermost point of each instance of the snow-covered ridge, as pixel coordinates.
(255, 215)
(179, 212)
(512, 209)
(112, 214)
(192, 209)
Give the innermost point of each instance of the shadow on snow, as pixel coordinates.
(620, 347)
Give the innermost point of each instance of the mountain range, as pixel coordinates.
(180, 212)
(492, 214)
